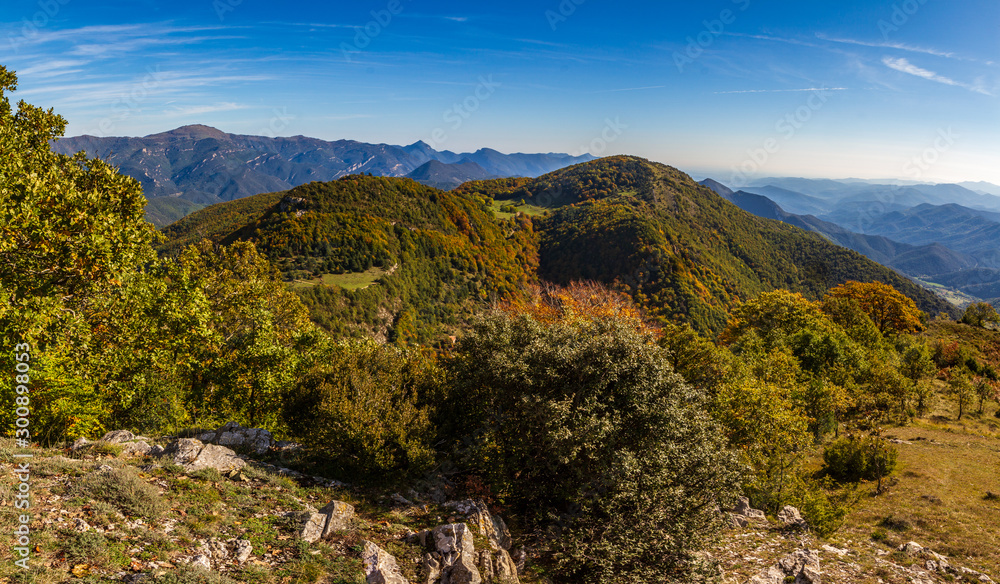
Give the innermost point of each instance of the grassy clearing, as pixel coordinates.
(349, 281)
(939, 493)
(531, 210)
(953, 296)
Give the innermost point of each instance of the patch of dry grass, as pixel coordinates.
(939, 496)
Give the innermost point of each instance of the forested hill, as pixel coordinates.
(678, 247)
(403, 261)
(387, 257)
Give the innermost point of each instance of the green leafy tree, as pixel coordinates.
(981, 314)
(860, 458)
(985, 390)
(917, 362)
(773, 317)
(364, 409)
(827, 360)
(71, 231)
(767, 429)
(962, 389)
(579, 423)
(848, 314)
(917, 365)
(69, 225)
(260, 333)
(698, 360)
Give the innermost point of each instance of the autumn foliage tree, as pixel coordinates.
(891, 311)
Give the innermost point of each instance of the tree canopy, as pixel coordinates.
(889, 309)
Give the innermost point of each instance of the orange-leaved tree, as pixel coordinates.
(579, 301)
(889, 309)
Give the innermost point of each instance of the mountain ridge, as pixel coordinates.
(681, 251)
(204, 165)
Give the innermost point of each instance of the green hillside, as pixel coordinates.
(680, 250)
(440, 252)
(162, 211)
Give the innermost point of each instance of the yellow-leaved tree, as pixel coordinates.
(889, 309)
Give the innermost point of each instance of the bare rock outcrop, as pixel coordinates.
(221, 554)
(131, 444)
(800, 567)
(194, 455)
(451, 556)
(791, 517)
(118, 437)
(742, 515)
(232, 435)
(338, 517)
(312, 525)
(456, 553)
(489, 525)
(380, 566)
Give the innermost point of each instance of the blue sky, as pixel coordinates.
(727, 88)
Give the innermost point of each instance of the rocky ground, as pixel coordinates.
(211, 509)
(760, 551)
(220, 507)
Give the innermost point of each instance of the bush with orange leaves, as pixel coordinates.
(579, 301)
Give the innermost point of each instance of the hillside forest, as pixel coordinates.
(610, 353)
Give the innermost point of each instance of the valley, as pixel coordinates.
(919, 230)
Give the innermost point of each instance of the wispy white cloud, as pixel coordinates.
(782, 90)
(136, 44)
(764, 37)
(50, 69)
(118, 31)
(890, 45)
(154, 83)
(311, 24)
(904, 66)
(452, 18)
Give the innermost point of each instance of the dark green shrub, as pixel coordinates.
(582, 427)
(822, 505)
(855, 459)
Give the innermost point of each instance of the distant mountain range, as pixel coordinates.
(439, 175)
(915, 229)
(185, 169)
